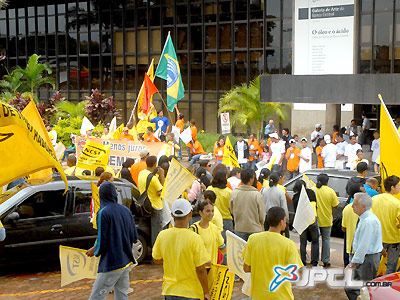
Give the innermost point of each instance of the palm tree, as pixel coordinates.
(243, 102)
(68, 109)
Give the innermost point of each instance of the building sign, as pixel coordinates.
(225, 123)
(323, 37)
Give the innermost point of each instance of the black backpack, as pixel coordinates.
(144, 203)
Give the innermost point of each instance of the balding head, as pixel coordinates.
(373, 183)
(71, 160)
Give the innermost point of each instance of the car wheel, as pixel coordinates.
(139, 249)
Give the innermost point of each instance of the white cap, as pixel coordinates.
(292, 141)
(318, 126)
(181, 207)
(327, 139)
(143, 152)
(274, 135)
(304, 139)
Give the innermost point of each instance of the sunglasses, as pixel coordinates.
(209, 165)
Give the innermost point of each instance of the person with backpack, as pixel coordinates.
(151, 181)
(212, 238)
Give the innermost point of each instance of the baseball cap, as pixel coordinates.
(304, 139)
(292, 141)
(125, 129)
(143, 152)
(181, 208)
(274, 135)
(327, 139)
(318, 126)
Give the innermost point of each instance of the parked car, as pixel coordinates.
(38, 218)
(337, 181)
(382, 288)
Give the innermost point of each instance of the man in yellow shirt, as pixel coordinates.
(184, 257)
(154, 190)
(72, 169)
(349, 225)
(387, 208)
(268, 253)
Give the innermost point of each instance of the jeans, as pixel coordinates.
(313, 231)
(243, 235)
(179, 298)
(195, 158)
(252, 164)
(188, 152)
(326, 244)
(245, 165)
(365, 271)
(228, 225)
(105, 282)
(346, 256)
(290, 175)
(393, 251)
(68, 152)
(156, 225)
(180, 150)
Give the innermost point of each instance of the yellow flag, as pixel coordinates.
(229, 158)
(75, 265)
(177, 180)
(133, 132)
(93, 156)
(95, 204)
(118, 132)
(390, 145)
(220, 282)
(25, 146)
(150, 73)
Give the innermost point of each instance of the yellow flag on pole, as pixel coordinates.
(25, 146)
(389, 145)
(118, 132)
(177, 180)
(309, 183)
(75, 265)
(93, 156)
(229, 158)
(95, 205)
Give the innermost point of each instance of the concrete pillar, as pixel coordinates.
(332, 117)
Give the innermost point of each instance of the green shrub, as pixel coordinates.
(207, 140)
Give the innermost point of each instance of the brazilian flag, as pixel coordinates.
(168, 69)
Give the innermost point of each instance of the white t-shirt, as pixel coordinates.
(329, 155)
(350, 152)
(304, 165)
(376, 148)
(240, 147)
(319, 135)
(340, 149)
(234, 181)
(277, 149)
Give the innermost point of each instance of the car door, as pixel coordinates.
(39, 228)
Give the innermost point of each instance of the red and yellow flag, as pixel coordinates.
(150, 73)
(148, 92)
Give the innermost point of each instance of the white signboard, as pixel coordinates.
(225, 123)
(323, 37)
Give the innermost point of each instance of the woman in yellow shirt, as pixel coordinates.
(209, 233)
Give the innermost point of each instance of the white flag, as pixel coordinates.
(186, 135)
(113, 126)
(177, 132)
(304, 214)
(234, 251)
(86, 125)
(157, 134)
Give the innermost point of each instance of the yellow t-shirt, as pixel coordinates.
(281, 187)
(182, 251)
(212, 239)
(349, 221)
(387, 208)
(1, 225)
(326, 199)
(69, 171)
(262, 253)
(217, 219)
(222, 201)
(265, 183)
(154, 187)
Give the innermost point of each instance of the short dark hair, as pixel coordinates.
(246, 175)
(361, 167)
(98, 171)
(181, 116)
(275, 215)
(203, 205)
(287, 130)
(322, 179)
(193, 121)
(210, 195)
(128, 163)
(234, 171)
(340, 134)
(151, 161)
(86, 172)
(336, 127)
(390, 181)
(150, 129)
(353, 120)
(160, 111)
(203, 163)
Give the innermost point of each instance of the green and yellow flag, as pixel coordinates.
(168, 69)
(229, 158)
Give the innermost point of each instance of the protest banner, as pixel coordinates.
(95, 204)
(177, 132)
(177, 180)
(121, 150)
(75, 265)
(304, 214)
(186, 135)
(220, 282)
(24, 144)
(94, 155)
(234, 251)
(229, 158)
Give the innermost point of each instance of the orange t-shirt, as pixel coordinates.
(136, 168)
(269, 142)
(320, 163)
(179, 124)
(126, 137)
(334, 138)
(259, 185)
(293, 159)
(152, 139)
(253, 150)
(219, 153)
(194, 132)
(197, 148)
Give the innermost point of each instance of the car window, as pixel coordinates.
(83, 199)
(42, 204)
(338, 184)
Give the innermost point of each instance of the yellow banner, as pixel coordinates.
(118, 132)
(178, 179)
(95, 204)
(24, 144)
(93, 155)
(220, 282)
(75, 265)
(229, 158)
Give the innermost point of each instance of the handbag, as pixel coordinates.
(144, 202)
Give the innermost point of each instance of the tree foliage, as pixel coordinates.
(246, 109)
(99, 108)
